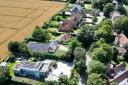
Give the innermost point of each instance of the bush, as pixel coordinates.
(43, 56)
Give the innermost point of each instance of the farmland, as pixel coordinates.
(19, 17)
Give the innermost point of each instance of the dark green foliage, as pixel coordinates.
(81, 67)
(18, 47)
(121, 24)
(80, 60)
(79, 54)
(105, 32)
(13, 46)
(115, 53)
(43, 56)
(41, 35)
(4, 75)
(86, 35)
(101, 52)
(73, 44)
(122, 10)
(96, 67)
(72, 1)
(108, 8)
(74, 77)
(95, 79)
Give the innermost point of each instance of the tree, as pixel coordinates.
(96, 67)
(23, 48)
(86, 35)
(4, 75)
(97, 44)
(122, 10)
(80, 60)
(101, 55)
(115, 53)
(108, 8)
(121, 24)
(126, 54)
(41, 35)
(13, 46)
(80, 66)
(124, 25)
(73, 44)
(63, 80)
(79, 54)
(104, 32)
(117, 24)
(95, 79)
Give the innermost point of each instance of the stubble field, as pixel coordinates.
(19, 17)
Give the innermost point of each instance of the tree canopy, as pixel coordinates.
(121, 24)
(41, 35)
(95, 79)
(96, 67)
(108, 8)
(86, 35)
(4, 75)
(105, 32)
(73, 44)
(102, 53)
(80, 60)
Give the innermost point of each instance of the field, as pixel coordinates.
(19, 17)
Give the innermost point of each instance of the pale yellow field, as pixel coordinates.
(19, 17)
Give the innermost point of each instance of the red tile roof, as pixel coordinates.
(65, 37)
(121, 39)
(67, 26)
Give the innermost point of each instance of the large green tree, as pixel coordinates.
(40, 34)
(122, 10)
(95, 79)
(121, 24)
(96, 67)
(101, 55)
(108, 8)
(73, 44)
(80, 60)
(13, 46)
(105, 32)
(86, 35)
(79, 54)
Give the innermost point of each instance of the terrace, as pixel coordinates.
(63, 68)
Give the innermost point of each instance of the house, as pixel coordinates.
(43, 47)
(67, 26)
(33, 69)
(65, 37)
(120, 41)
(117, 73)
(77, 17)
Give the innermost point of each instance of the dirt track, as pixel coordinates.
(19, 17)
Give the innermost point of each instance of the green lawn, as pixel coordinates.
(60, 52)
(11, 66)
(88, 6)
(27, 80)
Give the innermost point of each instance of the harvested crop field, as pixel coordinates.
(19, 17)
